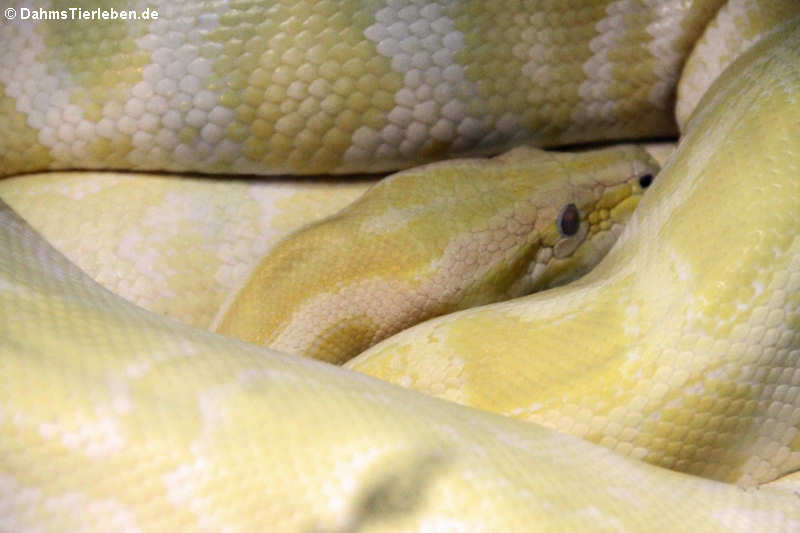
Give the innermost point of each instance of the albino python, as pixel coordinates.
(676, 360)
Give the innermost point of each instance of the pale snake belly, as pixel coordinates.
(679, 349)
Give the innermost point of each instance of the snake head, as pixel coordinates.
(583, 220)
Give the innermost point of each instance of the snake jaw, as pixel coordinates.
(602, 210)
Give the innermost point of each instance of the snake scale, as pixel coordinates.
(659, 392)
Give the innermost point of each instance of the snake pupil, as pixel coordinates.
(645, 180)
(569, 220)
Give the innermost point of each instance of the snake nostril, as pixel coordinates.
(645, 180)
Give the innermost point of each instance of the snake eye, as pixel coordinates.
(569, 220)
(645, 180)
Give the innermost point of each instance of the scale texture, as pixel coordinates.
(670, 350)
(325, 86)
(660, 392)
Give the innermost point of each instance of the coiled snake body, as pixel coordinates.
(676, 359)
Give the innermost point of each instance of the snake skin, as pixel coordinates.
(676, 358)
(324, 86)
